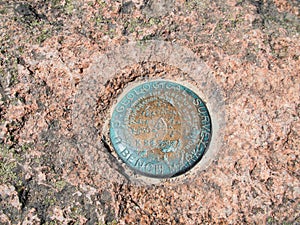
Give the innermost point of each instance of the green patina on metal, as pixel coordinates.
(160, 128)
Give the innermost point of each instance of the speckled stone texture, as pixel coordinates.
(127, 65)
(47, 49)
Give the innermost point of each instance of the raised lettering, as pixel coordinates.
(120, 109)
(139, 163)
(158, 85)
(130, 159)
(159, 169)
(146, 87)
(197, 102)
(125, 152)
(118, 140)
(206, 127)
(149, 166)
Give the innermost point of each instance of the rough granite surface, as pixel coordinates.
(47, 49)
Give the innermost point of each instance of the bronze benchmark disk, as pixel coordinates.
(160, 128)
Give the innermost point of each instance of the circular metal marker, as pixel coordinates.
(88, 124)
(160, 128)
